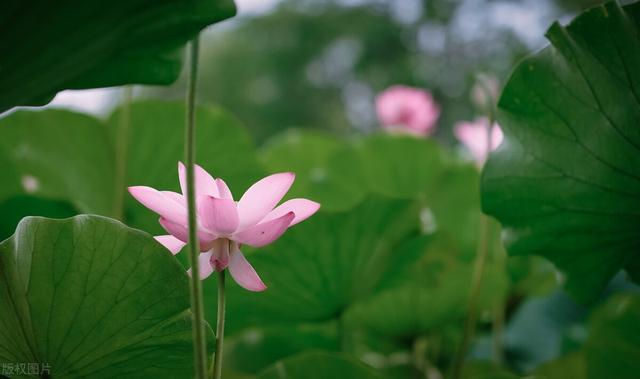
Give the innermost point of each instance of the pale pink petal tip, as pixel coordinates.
(173, 244)
(262, 197)
(163, 204)
(203, 266)
(204, 182)
(223, 189)
(302, 208)
(244, 274)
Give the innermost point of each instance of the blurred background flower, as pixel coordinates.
(407, 110)
(473, 135)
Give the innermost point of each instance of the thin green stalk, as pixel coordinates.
(217, 357)
(478, 268)
(472, 310)
(498, 332)
(199, 336)
(121, 142)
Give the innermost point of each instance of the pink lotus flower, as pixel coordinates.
(407, 109)
(224, 225)
(474, 136)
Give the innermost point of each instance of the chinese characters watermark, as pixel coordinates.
(25, 368)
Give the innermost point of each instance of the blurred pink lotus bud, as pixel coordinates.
(474, 136)
(407, 109)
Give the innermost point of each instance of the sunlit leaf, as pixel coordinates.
(90, 297)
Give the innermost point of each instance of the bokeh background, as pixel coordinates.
(319, 63)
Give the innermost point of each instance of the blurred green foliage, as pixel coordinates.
(319, 63)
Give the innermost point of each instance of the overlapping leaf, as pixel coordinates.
(75, 44)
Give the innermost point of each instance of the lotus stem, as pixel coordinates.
(217, 358)
(199, 337)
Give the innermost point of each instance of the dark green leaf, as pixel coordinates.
(74, 44)
(572, 366)
(16, 208)
(256, 348)
(486, 370)
(613, 346)
(566, 181)
(319, 365)
(93, 298)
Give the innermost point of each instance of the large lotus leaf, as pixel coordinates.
(155, 144)
(613, 346)
(92, 298)
(58, 155)
(51, 46)
(320, 365)
(323, 265)
(565, 182)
